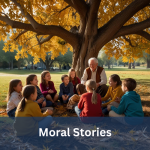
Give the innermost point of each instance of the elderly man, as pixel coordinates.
(97, 74)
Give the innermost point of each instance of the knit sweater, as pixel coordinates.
(89, 109)
(113, 94)
(13, 101)
(26, 122)
(46, 88)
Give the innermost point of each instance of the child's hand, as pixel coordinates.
(109, 107)
(50, 91)
(44, 104)
(40, 100)
(63, 97)
(118, 99)
(50, 112)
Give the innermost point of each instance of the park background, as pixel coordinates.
(10, 69)
(56, 35)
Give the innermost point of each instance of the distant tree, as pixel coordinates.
(106, 60)
(64, 59)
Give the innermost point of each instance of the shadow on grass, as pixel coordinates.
(145, 82)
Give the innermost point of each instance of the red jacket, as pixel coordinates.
(89, 109)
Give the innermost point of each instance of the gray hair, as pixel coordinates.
(93, 58)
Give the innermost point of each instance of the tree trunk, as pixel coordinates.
(129, 65)
(124, 65)
(32, 66)
(148, 63)
(133, 65)
(47, 67)
(11, 65)
(60, 67)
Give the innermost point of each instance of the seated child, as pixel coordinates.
(113, 92)
(73, 101)
(14, 96)
(74, 79)
(66, 89)
(28, 114)
(42, 102)
(130, 104)
(90, 102)
(48, 88)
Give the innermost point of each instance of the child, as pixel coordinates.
(130, 104)
(74, 79)
(113, 92)
(14, 96)
(66, 89)
(80, 88)
(90, 102)
(28, 114)
(47, 87)
(32, 79)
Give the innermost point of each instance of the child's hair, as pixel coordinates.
(63, 76)
(92, 86)
(43, 76)
(30, 78)
(75, 78)
(81, 88)
(13, 83)
(129, 83)
(27, 91)
(116, 78)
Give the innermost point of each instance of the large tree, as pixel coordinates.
(85, 25)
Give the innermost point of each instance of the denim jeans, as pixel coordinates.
(46, 122)
(11, 113)
(62, 101)
(77, 110)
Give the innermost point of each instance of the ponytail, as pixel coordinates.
(27, 91)
(116, 78)
(92, 86)
(22, 104)
(94, 97)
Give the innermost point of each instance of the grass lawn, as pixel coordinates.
(142, 76)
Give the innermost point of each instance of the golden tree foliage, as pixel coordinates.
(60, 13)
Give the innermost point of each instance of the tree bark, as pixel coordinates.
(129, 65)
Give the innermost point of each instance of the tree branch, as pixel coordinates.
(27, 15)
(133, 28)
(79, 5)
(24, 31)
(115, 24)
(52, 30)
(94, 6)
(144, 34)
(40, 42)
(129, 41)
(64, 9)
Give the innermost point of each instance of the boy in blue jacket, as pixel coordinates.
(130, 104)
